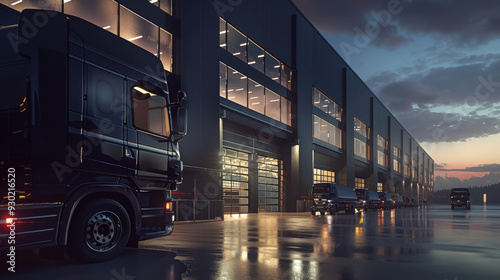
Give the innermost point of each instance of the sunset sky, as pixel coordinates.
(436, 65)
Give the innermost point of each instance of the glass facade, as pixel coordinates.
(361, 128)
(114, 18)
(54, 5)
(235, 181)
(103, 13)
(236, 87)
(327, 132)
(248, 51)
(382, 159)
(323, 176)
(327, 105)
(382, 142)
(269, 184)
(407, 165)
(361, 148)
(396, 158)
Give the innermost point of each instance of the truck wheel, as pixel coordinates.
(313, 212)
(99, 231)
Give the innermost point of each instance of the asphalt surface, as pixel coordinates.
(432, 242)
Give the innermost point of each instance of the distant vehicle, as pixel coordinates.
(397, 200)
(329, 197)
(362, 195)
(460, 197)
(368, 200)
(386, 200)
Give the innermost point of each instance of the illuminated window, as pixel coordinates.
(272, 67)
(361, 148)
(286, 111)
(236, 43)
(54, 5)
(256, 97)
(407, 165)
(166, 5)
(166, 49)
(255, 56)
(380, 187)
(359, 183)
(396, 164)
(327, 132)
(272, 105)
(239, 45)
(361, 128)
(382, 159)
(138, 30)
(103, 13)
(222, 80)
(382, 142)
(327, 105)
(323, 176)
(222, 33)
(236, 87)
(286, 77)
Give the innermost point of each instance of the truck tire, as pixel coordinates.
(99, 231)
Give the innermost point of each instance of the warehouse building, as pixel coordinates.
(273, 108)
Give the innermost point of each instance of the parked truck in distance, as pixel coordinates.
(460, 197)
(89, 139)
(331, 198)
(367, 200)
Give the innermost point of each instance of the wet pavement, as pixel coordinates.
(432, 242)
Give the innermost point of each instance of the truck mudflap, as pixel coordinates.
(31, 224)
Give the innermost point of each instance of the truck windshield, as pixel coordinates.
(321, 192)
(151, 114)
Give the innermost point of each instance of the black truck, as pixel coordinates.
(89, 139)
(460, 197)
(329, 197)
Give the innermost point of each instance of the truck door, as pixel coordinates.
(148, 131)
(103, 122)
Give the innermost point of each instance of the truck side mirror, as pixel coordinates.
(182, 121)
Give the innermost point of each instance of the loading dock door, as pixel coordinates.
(270, 188)
(235, 181)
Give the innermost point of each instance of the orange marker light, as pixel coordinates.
(168, 206)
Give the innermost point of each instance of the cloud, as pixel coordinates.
(390, 38)
(433, 127)
(441, 183)
(459, 22)
(492, 168)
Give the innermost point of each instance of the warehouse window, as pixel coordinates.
(361, 128)
(238, 88)
(239, 45)
(382, 142)
(53, 5)
(256, 97)
(323, 176)
(326, 104)
(138, 30)
(359, 183)
(327, 132)
(99, 12)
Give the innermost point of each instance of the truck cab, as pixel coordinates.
(460, 197)
(89, 137)
(329, 197)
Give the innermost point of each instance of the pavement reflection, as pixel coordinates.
(431, 242)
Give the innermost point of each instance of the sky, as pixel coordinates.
(435, 64)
